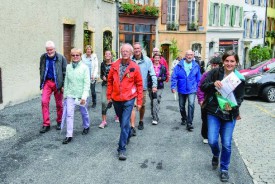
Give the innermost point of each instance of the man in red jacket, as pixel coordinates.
(124, 85)
(162, 62)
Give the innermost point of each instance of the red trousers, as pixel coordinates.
(48, 89)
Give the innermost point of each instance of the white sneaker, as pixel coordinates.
(154, 122)
(205, 141)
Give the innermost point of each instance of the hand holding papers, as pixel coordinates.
(229, 83)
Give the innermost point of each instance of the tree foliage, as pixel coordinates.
(258, 54)
(173, 49)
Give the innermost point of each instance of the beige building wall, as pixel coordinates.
(26, 26)
(101, 16)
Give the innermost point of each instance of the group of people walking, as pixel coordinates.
(125, 83)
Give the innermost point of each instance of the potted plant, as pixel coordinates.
(138, 9)
(172, 26)
(192, 26)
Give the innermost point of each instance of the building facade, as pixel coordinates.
(183, 21)
(254, 27)
(138, 24)
(24, 33)
(224, 27)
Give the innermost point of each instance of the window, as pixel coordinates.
(171, 13)
(142, 28)
(128, 27)
(227, 15)
(191, 11)
(141, 2)
(248, 25)
(216, 14)
(237, 16)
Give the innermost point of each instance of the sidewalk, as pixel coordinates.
(165, 153)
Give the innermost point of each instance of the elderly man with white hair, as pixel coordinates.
(185, 79)
(52, 75)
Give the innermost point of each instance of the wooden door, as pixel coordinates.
(165, 53)
(68, 33)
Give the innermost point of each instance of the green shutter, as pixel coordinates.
(241, 16)
(232, 15)
(222, 15)
(211, 15)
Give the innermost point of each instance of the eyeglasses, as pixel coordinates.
(75, 55)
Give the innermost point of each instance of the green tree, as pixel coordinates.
(258, 54)
(173, 49)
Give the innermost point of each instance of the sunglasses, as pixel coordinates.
(75, 55)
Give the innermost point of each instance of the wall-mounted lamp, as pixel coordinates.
(254, 17)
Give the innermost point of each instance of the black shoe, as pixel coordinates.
(189, 127)
(45, 129)
(183, 122)
(67, 140)
(140, 125)
(128, 140)
(224, 176)
(121, 156)
(133, 131)
(58, 126)
(85, 131)
(94, 105)
(215, 162)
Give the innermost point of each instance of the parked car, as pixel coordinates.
(262, 85)
(259, 68)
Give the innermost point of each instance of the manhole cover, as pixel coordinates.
(6, 132)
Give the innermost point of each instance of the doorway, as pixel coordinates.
(165, 53)
(68, 34)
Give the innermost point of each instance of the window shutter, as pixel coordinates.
(183, 13)
(241, 16)
(244, 27)
(233, 15)
(222, 15)
(201, 12)
(164, 11)
(211, 14)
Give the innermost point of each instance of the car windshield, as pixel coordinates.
(257, 65)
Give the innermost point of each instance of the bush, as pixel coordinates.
(259, 53)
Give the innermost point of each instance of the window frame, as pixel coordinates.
(171, 17)
(216, 14)
(192, 17)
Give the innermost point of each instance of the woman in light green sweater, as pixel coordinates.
(76, 91)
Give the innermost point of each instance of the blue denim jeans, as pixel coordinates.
(123, 111)
(216, 127)
(191, 106)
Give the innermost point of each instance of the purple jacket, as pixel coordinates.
(200, 93)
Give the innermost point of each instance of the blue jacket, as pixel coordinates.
(186, 84)
(146, 67)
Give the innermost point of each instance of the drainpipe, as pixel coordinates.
(117, 31)
(265, 21)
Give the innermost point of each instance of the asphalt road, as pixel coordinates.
(165, 153)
